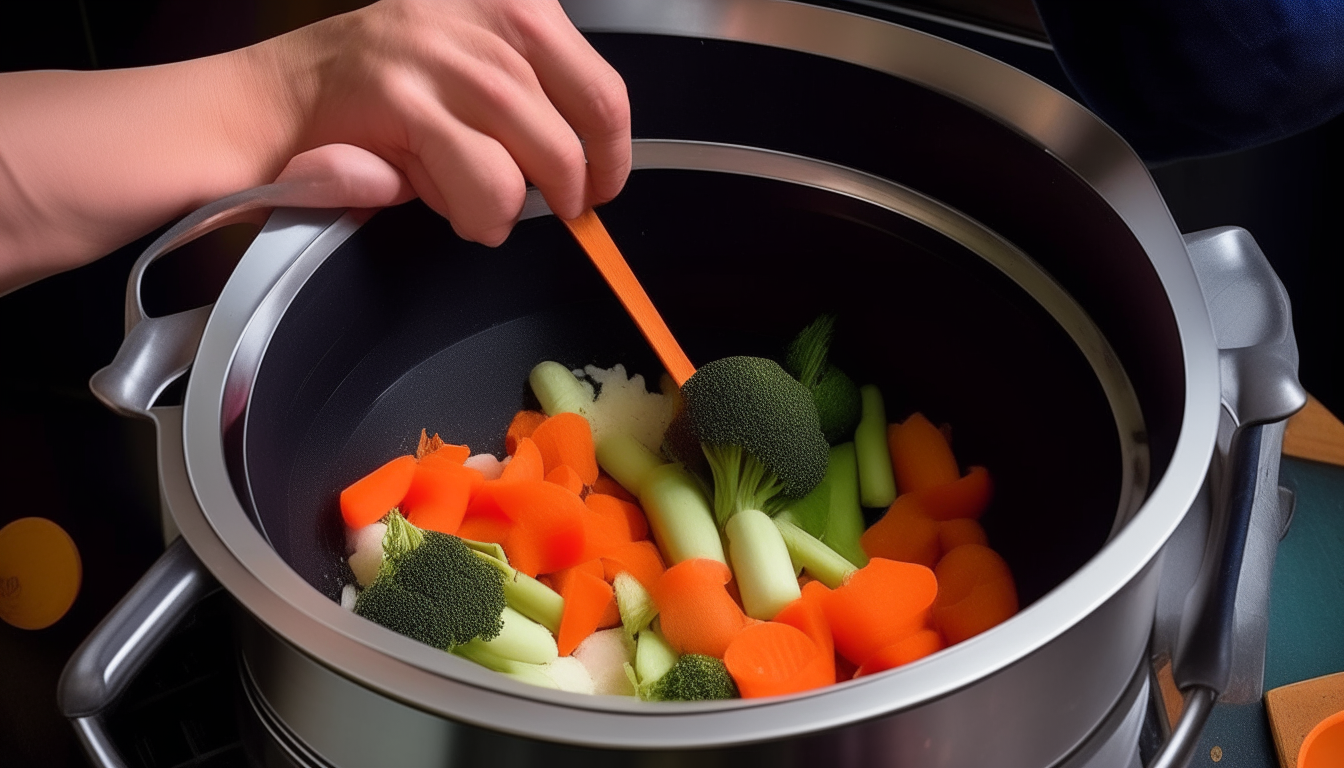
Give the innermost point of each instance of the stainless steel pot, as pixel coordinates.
(1025, 227)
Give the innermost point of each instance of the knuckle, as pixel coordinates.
(607, 102)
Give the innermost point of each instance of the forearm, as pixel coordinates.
(91, 160)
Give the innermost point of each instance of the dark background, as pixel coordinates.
(65, 457)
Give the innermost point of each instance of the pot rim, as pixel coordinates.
(394, 665)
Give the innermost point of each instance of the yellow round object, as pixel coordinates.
(40, 573)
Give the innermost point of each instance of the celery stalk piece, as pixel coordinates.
(877, 482)
(820, 561)
(761, 564)
(627, 460)
(528, 596)
(680, 515)
(811, 512)
(558, 390)
(521, 639)
(654, 656)
(487, 548)
(844, 524)
(633, 602)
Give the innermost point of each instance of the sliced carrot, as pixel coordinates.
(624, 518)
(640, 559)
(526, 463)
(954, 533)
(920, 455)
(375, 494)
(524, 422)
(966, 497)
(427, 444)
(586, 600)
(480, 528)
(439, 492)
(773, 659)
(916, 646)
(542, 524)
(449, 452)
(559, 581)
(904, 533)
(881, 603)
(566, 438)
(807, 614)
(607, 485)
(695, 611)
(565, 477)
(975, 592)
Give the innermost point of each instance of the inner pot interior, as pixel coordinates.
(405, 326)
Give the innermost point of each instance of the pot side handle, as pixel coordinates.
(157, 350)
(123, 642)
(1222, 642)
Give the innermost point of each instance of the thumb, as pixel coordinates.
(340, 176)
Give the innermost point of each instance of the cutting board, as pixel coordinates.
(1297, 708)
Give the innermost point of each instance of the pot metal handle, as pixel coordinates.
(1257, 354)
(110, 658)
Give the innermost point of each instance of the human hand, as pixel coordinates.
(468, 99)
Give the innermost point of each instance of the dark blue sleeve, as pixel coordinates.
(1180, 78)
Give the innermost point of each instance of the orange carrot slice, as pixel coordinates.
(542, 524)
(372, 496)
(696, 613)
(623, 517)
(773, 659)
(904, 533)
(586, 600)
(881, 603)
(439, 492)
(916, 646)
(566, 478)
(844, 668)
(566, 438)
(640, 559)
(607, 485)
(920, 455)
(526, 463)
(954, 533)
(523, 424)
(966, 497)
(807, 614)
(975, 592)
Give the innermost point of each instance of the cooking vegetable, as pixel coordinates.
(904, 651)
(975, 592)
(433, 589)
(695, 611)
(565, 439)
(519, 639)
(654, 657)
(877, 483)
(558, 390)
(880, 604)
(813, 557)
(808, 615)
(370, 497)
(586, 600)
(954, 533)
(540, 524)
(904, 533)
(525, 594)
(759, 432)
(920, 455)
(566, 478)
(836, 396)
(760, 558)
(773, 659)
(522, 425)
(605, 655)
(439, 491)
(634, 603)
(640, 559)
(366, 548)
(526, 463)
(966, 497)
(693, 677)
(624, 405)
(831, 512)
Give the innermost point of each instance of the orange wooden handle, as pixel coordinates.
(590, 233)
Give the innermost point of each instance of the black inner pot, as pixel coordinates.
(407, 327)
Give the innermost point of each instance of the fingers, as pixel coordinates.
(469, 178)
(586, 91)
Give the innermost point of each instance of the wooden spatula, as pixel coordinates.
(590, 233)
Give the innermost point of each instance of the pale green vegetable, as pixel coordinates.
(521, 639)
(558, 390)
(523, 593)
(844, 524)
(634, 603)
(679, 515)
(761, 564)
(654, 656)
(811, 555)
(877, 481)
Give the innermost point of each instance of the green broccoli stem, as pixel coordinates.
(844, 525)
(558, 390)
(877, 482)
(741, 481)
(810, 554)
(528, 596)
(521, 639)
(523, 672)
(678, 512)
(761, 564)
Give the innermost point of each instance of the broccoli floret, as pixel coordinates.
(693, 678)
(837, 398)
(433, 588)
(759, 432)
